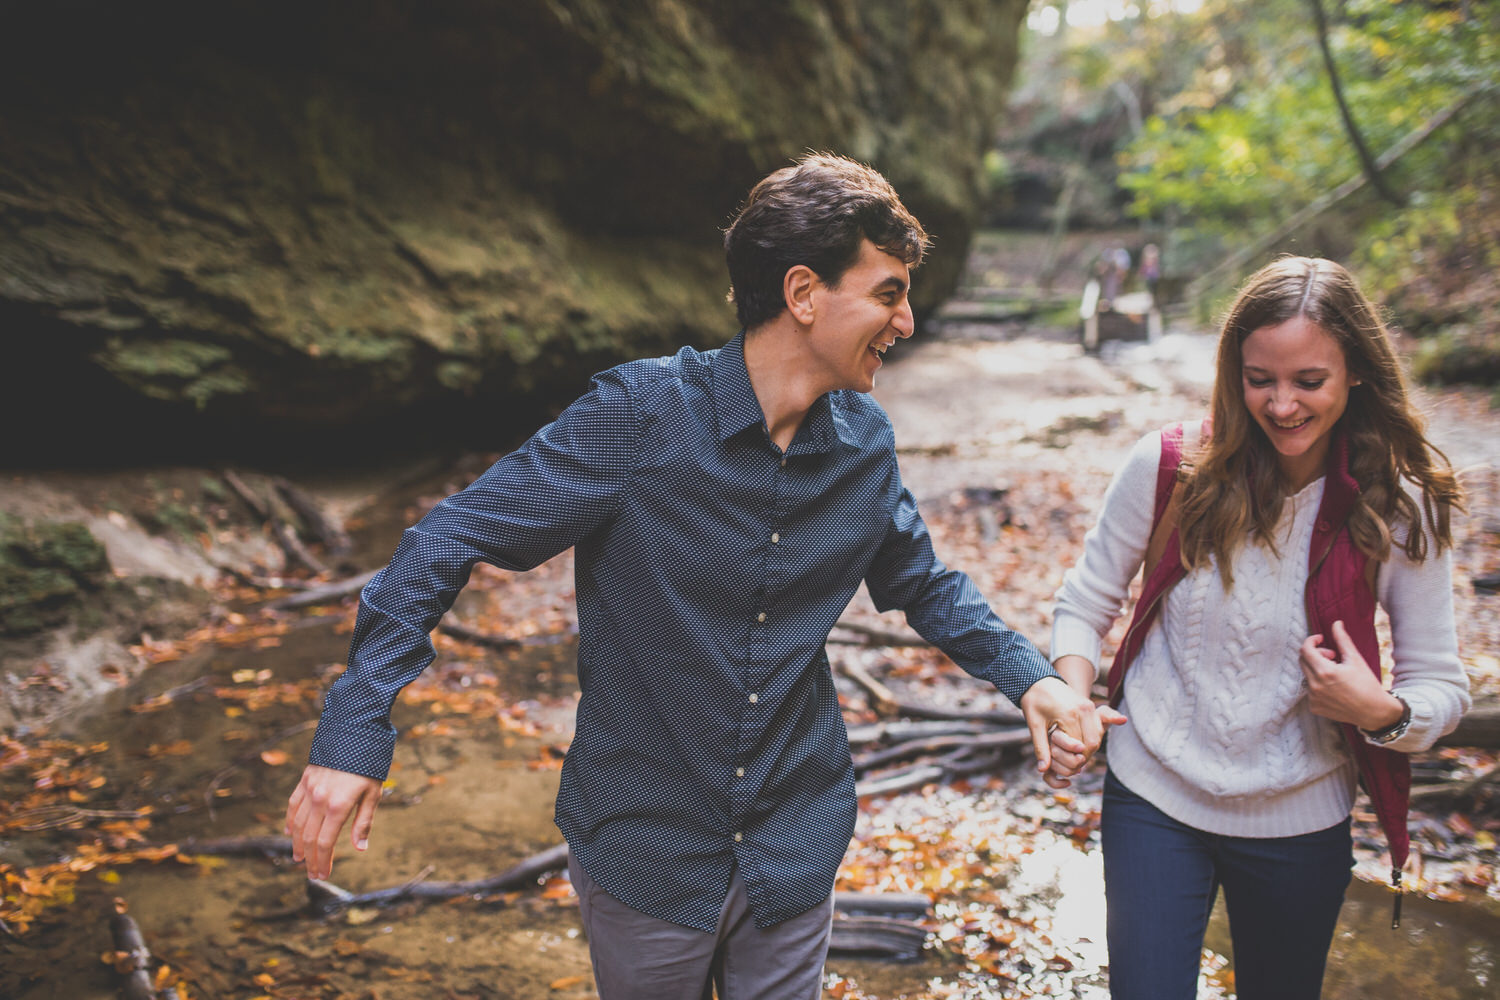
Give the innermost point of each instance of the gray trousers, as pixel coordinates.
(638, 957)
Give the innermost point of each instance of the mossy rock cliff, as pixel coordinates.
(233, 225)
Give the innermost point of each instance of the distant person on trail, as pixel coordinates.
(1151, 271)
(725, 505)
(1267, 536)
(1115, 267)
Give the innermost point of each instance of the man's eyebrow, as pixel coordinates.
(891, 283)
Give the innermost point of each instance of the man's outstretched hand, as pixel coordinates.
(318, 809)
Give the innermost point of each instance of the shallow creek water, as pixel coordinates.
(471, 797)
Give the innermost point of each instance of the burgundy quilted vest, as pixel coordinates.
(1337, 590)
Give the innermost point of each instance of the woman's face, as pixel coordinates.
(1296, 387)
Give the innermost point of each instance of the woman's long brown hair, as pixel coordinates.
(1233, 490)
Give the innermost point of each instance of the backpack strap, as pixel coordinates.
(1163, 558)
(1166, 497)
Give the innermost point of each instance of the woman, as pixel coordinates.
(1250, 671)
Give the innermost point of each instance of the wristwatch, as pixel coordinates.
(1395, 730)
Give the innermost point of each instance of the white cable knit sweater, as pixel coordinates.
(1220, 736)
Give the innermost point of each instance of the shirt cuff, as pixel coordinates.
(365, 752)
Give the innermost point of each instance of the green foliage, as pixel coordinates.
(44, 568)
(1255, 135)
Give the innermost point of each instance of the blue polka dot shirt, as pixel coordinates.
(710, 568)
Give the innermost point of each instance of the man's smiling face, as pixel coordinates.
(857, 322)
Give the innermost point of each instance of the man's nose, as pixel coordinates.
(904, 322)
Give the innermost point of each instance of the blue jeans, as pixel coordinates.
(1283, 895)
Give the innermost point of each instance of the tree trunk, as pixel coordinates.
(1366, 161)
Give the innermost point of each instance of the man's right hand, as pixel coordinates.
(319, 808)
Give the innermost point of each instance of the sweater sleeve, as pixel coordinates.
(1427, 672)
(1093, 592)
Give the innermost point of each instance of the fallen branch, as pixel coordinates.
(284, 533)
(1479, 728)
(133, 958)
(906, 729)
(1455, 789)
(882, 904)
(900, 781)
(324, 898)
(883, 937)
(956, 765)
(467, 633)
(333, 536)
(270, 847)
(885, 702)
(877, 637)
(323, 594)
(1017, 737)
(882, 701)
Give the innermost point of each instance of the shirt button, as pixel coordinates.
(754, 697)
(739, 772)
(761, 617)
(783, 462)
(775, 537)
(738, 836)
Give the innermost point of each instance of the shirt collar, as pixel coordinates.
(736, 407)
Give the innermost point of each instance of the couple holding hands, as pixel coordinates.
(725, 505)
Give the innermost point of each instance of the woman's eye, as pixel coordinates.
(1258, 383)
(1309, 386)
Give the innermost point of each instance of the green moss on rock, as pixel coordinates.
(45, 567)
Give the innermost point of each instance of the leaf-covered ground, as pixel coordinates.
(1007, 440)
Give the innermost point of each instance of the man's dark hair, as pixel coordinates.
(818, 213)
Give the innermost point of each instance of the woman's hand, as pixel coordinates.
(1342, 687)
(1069, 755)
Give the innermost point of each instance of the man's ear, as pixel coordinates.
(797, 287)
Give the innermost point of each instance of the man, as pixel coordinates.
(725, 506)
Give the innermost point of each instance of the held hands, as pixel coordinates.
(318, 809)
(1066, 728)
(1342, 687)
